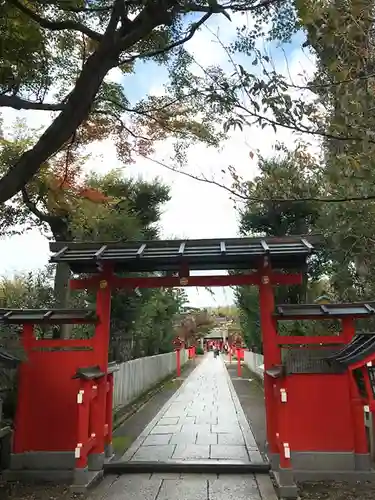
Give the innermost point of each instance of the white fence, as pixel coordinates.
(255, 362)
(138, 375)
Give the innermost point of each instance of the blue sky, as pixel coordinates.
(137, 84)
(197, 210)
(149, 73)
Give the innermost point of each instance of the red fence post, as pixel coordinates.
(90, 431)
(239, 371)
(358, 427)
(281, 422)
(83, 431)
(178, 343)
(178, 361)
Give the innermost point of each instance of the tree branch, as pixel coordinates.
(290, 126)
(370, 197)
(18, 103)
(313, 86)
(122, 124)
(155, 13)
(76, 109)
(301, 128)
(146, 113)
(195, 177)
(56, 25)
(115, 17)
(221, 9)
(87, 10)
(78, 103)
(33, 209)
(193, 29)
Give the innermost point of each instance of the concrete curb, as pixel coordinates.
(248, 435)
(191, 467)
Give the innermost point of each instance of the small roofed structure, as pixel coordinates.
(215, 336)
(47, 316)
(307, 311)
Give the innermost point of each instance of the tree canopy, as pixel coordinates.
(57, 57)
(327, 188)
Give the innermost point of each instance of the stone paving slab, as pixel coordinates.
(159, 453)
(204, 421)
(185, 487)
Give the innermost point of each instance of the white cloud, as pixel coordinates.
(196, 210)
(208, 45)
(115, 75)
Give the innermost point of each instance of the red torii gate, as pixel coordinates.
(265, 256)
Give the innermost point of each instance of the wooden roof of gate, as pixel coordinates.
(311, 311)
(289, 252)
(47, 316)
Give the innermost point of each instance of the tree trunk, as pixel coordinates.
(79, 102)
(60, 229)
(77, 108)
(62, 296)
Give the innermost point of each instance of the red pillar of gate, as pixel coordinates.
(101, 342)
(358, 427)
(271, 351)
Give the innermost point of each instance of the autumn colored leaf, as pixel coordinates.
(93, 195)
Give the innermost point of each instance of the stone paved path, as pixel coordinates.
(203, 421)
(184, 487)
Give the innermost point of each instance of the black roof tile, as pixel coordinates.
(289, 252)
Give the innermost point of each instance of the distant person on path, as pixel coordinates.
(216, 351)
